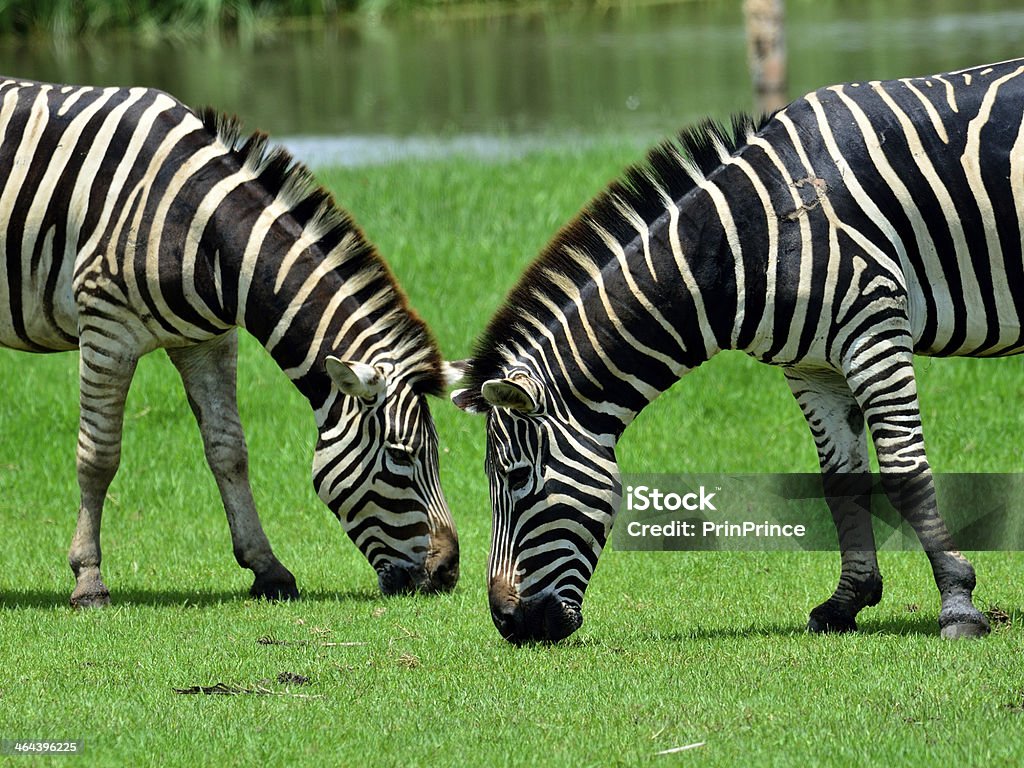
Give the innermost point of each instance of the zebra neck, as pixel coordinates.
(664, 303)
(303, 301)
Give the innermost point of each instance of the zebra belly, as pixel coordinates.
(965, 328)
(36, 318)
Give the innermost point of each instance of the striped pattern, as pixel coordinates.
(862, 224)
(129, 222)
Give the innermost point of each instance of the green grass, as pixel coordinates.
(677, 648)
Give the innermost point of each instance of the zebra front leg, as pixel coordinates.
(104, 378)
(837, 425)
(882, 379)
(208, 372)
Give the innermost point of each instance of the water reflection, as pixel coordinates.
(637, 71)
(353, 151)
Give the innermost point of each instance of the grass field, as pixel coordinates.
(677, 649)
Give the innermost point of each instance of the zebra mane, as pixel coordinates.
(670, 170)
(316, 211)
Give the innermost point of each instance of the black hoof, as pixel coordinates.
(958, 631)
(90, 591)
(959, 618)
(275, 585)
(90, 599)
(826, 620)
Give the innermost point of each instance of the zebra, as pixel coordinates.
(130, 222)
(863, 223)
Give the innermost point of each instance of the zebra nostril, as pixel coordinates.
(561, 618)
(506, 610)
(545, 618)
(445, 574)
(395, 579)
(508, 620)
(443, 564)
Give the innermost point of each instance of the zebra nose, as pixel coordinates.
(506, 610)
(398, 578)
(443, 563)
(559, 618)
(542, 618)
(508, 620)
(438, 572)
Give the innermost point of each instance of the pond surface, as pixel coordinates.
(425, 85)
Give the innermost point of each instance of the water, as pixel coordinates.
(494, 85)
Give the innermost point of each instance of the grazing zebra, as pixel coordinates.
(861, 224)
(128, 222)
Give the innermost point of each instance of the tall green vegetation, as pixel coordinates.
(178, 18)
(65, 18)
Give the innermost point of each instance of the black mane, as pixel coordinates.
(314, 208)
(672, 167)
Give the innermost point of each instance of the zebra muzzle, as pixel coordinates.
(440, 573)
(401, 578)
(545, 618)
(442, 563)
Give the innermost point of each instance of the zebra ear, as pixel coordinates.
(519, 393)
(453, 371)
(465, 401)
(356, 379)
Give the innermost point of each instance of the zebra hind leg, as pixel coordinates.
(884, 384)
(104, 378)
(208, 372)
(837, 425)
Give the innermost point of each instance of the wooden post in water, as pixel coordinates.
(766, 52)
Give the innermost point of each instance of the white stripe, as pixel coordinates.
(10, 99)
(788, 351)
(762, 340)
(23, 156)
(55, 168)
(1006, 317)
(195, 162)
(617, 250)
(736, 250)
(597, 280)
(71, 100)
(933, 114)
(950, 93)
(972, 305)
(205, 211)
(159, 157)
(643, 231)
(338, 255)
(91, 174)
(710, 344)
(260, 229)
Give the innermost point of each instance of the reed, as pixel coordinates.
(65, 19)
(68, 18)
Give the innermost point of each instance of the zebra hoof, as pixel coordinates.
(275, 585)
(958, 618)
(90, 591)
(90, 599)
(958, 631)
(825, 621)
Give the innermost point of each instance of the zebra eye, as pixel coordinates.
(519, 477)
(399, 456)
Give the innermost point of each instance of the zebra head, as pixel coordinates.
(376, 467)
(554, 490)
